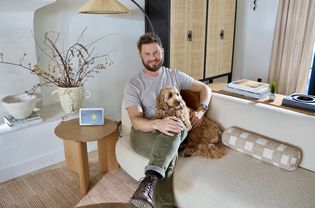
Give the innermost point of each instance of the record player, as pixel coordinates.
(306, 102)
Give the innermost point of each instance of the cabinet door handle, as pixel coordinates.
(222, 34)
(189, 35)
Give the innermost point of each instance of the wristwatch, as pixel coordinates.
(204, 107)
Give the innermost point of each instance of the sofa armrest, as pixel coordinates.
(125, 121)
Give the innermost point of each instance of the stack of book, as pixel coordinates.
(248, 88)
(12, 122)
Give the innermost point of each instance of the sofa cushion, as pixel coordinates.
(262, 148)
(238, 181)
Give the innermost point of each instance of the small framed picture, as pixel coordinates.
(91, 116)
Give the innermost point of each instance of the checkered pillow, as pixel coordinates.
(262, 148)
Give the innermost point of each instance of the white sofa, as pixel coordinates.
(238, 180)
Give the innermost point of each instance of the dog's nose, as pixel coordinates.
(176, 102)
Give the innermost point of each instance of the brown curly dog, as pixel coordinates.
(201, 141)
(170, 103)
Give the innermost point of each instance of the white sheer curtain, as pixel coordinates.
(292, 45)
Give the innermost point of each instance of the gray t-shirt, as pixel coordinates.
(141, 90)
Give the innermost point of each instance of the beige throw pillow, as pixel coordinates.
(262, 148)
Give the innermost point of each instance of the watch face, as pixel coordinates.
(204, 106)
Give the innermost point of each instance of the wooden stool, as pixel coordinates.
(75, 138)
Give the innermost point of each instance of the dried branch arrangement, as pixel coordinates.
(67, 68)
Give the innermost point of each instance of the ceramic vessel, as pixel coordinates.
(71, 99)
(272, 96)
(19, 106)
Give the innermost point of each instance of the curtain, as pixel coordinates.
(292, 45)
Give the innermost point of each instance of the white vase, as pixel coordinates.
(272, 96)
(19, 106)
(71, 99)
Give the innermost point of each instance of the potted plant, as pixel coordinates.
(273, 89)
(68, 69)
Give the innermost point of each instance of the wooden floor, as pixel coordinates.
(56, 186)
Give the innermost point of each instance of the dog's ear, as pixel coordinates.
(160, 103)
(159, 100)
(165, 106)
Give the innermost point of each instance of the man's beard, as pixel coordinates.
(155, 67)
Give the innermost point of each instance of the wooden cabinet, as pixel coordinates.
(197, 35)
(220, 36)
(187, 36)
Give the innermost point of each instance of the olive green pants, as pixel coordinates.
(162, 150)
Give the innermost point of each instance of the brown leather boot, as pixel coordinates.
(143, 196)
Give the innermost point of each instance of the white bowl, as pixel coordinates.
(19, 106)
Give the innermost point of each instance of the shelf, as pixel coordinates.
(48, 114)
(217, 88)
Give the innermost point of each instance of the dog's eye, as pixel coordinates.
(177, 94)
(170, 95)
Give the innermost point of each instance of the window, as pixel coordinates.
(310, 85)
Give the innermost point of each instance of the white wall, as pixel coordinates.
(124, 30)
(16, 40)
(253, 39)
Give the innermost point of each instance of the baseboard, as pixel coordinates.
(34, 164)
(31, 165)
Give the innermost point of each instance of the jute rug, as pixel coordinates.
(57, 186)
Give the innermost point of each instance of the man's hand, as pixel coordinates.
(196, 118)
(169, 125)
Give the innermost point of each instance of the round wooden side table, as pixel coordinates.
(75, 138)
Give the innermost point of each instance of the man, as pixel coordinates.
(158, 139)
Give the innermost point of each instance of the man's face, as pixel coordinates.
(152, 56)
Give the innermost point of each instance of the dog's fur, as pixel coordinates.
(201, 141)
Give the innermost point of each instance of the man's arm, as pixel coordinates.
(205, 96)
(168, 125)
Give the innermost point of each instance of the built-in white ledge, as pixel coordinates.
(47, 113)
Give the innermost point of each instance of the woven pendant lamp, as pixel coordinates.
(110, 7)
(103, 7)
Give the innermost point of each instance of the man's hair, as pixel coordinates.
(148, 38)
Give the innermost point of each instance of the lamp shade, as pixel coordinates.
(103, 7)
